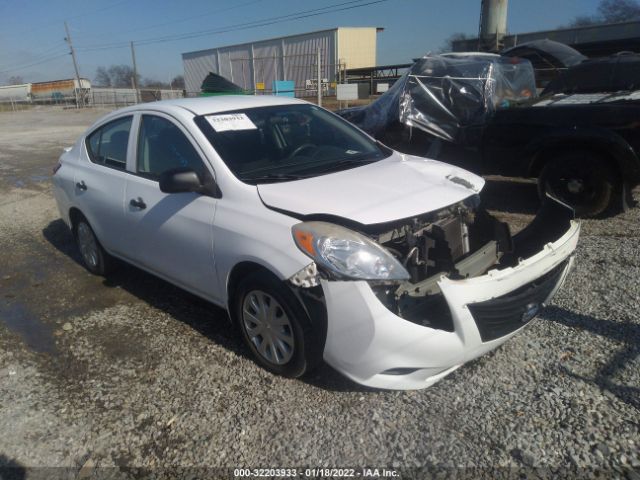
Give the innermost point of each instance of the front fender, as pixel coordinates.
(262, 237)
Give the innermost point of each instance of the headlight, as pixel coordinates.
(347, 253)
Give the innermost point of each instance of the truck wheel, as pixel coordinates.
(582, 180)
(275, 326)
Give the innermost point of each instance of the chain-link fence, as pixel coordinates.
(301, 69)
(122, 97)
(88, 97)
(21, 99)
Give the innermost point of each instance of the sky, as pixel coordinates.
(32, 32)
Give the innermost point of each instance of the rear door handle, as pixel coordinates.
(138, 203)
(81, 185)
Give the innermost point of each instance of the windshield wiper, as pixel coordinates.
(345, 162)
(274, 177)
(361, 159)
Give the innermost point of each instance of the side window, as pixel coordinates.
(108, 145)
(162, 146)
(627, 73)
(590, 78)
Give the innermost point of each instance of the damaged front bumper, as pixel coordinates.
(373, 346)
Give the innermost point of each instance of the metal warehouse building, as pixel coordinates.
(256, 65)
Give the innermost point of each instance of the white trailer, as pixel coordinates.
(15, 93)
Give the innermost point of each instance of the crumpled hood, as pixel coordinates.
(397, 187)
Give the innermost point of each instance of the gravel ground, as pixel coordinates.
(133, 373)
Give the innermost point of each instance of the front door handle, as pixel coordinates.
(81, 185)
(138, 203)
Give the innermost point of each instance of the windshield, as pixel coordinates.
(287, 142)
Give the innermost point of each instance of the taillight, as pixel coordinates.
(57, 167)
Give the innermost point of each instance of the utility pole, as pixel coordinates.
(75, 63)
(135, 74)
(319, 80)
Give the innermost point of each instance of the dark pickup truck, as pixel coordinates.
(481, 111)
(583, 148)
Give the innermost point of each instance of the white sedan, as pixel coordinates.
(321, 243)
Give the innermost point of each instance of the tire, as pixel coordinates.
(283, 342)
(581, 179)
(94, 257)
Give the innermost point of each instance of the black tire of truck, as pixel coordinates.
(581, 179)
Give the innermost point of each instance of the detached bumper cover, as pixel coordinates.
(371, 345)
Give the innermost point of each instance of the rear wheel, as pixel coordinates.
(582, 180)
(275, 326)
(94, 257)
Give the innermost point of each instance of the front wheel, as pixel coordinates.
(275, 326)
(582, 180)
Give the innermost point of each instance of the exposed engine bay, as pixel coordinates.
(437, 244)
(461, 241)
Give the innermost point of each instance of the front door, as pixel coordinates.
(170, 234)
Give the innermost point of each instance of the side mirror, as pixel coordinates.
(180, 180)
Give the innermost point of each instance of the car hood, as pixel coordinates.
(397, 187)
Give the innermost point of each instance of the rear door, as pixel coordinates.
(100, 180)
(170, 234)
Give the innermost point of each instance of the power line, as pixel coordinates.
(337, 7)
(11, 70)
(242, 26)
(179, 20)
(80, 15)
(44, 54)
(265, 22)
(215, 30)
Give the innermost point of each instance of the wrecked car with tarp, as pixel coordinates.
(448, 96)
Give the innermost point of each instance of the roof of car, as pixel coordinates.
(219, 103)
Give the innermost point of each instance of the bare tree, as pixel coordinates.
(177, 82)
(16, 80)
(102, 77)
(610, 11)
(118, 76)
(447, 46)
(613, 11)
(153, 83)
(584, 21)
(122, 76)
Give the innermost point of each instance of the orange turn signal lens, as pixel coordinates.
(305, 241)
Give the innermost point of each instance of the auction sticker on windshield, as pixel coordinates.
(232, 121)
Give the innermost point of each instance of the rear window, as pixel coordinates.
(108, 144)
(611, 74)
(627, 73)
